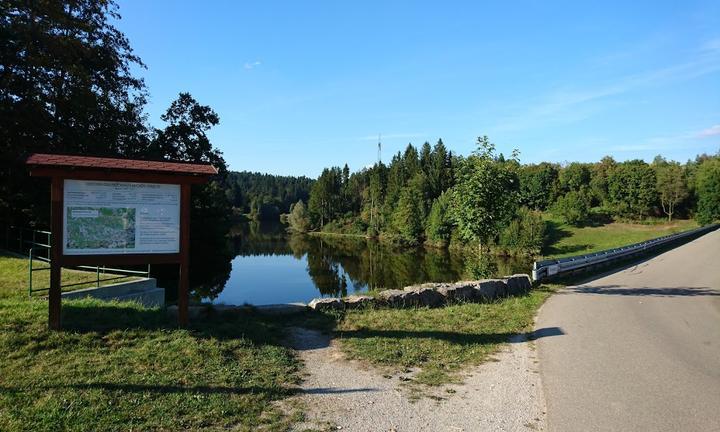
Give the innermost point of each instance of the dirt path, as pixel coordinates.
(501, 395)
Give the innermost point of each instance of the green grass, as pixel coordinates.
(119, 366)
(440, 342)
(14, 275)
(566, 240)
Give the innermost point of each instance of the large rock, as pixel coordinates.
(427, 296)
(399, 298)
(518, 284)
(358, 301)
(433, 285)
(326, 304)
(491, 289)
(459, 292)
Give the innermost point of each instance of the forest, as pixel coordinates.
(435, 197)
(265, 196)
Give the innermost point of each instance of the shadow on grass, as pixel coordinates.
(598, 219)
(102, 318)
(272, 392)
(453, 337)
(554, 232)
(277, 392)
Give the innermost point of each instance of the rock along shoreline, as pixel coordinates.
(431, 294)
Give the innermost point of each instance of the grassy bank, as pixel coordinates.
(566, 240)
(439, 342)
(119, 366)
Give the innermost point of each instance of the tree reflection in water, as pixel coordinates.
(342, 265)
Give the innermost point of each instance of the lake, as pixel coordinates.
(272, 266)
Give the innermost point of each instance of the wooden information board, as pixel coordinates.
(110, 211)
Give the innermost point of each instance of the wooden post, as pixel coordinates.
(184, 282)
(56, 218)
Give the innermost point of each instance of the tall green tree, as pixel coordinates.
(484, 198)
(326, 196)
(439, 222)
(538, 185)
(599, 182)
(409, 214)
(632, 189)
(376, 198)
(425, 157)
(299, 220)
(66, 85)
(440, 170)
(185, 138)
(411, 163)
(708, 191)
(574, 177)
(672, 186)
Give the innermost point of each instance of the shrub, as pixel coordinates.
(525, 233)
(574, 208)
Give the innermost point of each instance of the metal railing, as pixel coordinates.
(555, 267)
(36, 245)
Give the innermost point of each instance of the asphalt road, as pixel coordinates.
(639, 349)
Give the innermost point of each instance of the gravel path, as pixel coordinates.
(338, 394)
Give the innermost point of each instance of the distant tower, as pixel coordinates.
(379, 149)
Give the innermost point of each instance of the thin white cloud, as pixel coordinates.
(712, 45)
(252, 65)
(687, 140)
(710, 132)
(567, 105)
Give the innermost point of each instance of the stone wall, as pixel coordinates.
(432, 294)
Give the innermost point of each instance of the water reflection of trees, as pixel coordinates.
(339, 265)
(259, 238)
(367, 264)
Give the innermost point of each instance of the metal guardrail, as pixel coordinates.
(554, 267)
(108, 274)
(36, 245)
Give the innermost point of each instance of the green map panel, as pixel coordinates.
(100, 228)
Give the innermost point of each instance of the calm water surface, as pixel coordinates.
(272, 266)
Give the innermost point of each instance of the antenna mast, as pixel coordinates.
(379, 149)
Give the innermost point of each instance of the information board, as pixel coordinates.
(107, 218)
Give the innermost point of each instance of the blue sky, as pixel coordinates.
(304, 85)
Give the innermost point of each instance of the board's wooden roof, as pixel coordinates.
(106, 163)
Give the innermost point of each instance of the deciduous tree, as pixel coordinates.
(671, 186)
(484, 198)
(66, 85)
(631, 189)
(299, 220)
(708, 191)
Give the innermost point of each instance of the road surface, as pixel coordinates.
(639, 349)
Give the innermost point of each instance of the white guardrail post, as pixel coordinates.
(547, 268)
